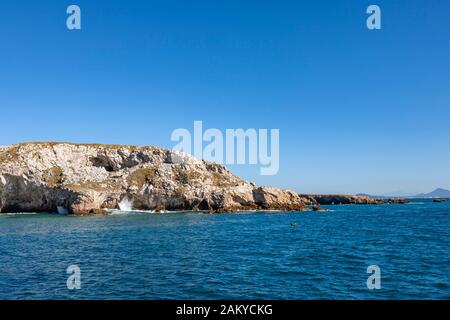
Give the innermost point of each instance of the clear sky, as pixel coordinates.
(358, 110)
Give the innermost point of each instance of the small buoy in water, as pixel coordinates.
(294, 224)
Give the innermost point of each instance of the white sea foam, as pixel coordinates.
(128, 212)
(124, 212)
(126, 204)
(21, 213)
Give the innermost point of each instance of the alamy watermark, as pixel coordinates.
(73, 22)
(374, 280)
(235, 146)
(374, 20)
(74, 279)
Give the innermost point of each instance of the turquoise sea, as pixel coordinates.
(230, 256)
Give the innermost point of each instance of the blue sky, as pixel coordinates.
(358, 110)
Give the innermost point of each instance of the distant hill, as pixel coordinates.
(438, 193)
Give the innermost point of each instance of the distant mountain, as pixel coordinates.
(438, 193)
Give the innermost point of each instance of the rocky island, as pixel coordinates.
(89, 179)
(85, 179)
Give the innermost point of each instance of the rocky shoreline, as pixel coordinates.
(334, 199)
(85, 179)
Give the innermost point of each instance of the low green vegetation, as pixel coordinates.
(220, 180)
(185, 176)
(142, 176)
(10, 154)
(54, 177)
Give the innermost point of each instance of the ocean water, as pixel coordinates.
(231, 256)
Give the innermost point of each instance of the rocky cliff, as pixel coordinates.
(88, 179)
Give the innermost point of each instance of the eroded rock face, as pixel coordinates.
(88, 179)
